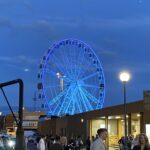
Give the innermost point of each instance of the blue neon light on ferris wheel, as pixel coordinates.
(71, 79)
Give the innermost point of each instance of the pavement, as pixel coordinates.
(32, 146)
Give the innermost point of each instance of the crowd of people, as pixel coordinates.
(51, 142)
(140, 142)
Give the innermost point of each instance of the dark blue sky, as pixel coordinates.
(118, 31)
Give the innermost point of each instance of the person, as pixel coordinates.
(121, 143)
(41, 144)
(57, 145)
(26, 143)
(88, 143)
(129, 142)
(1, 144)
(63, 141)
(143, 143)
(49, 142)
(135, 141)
(99, 144)
(78, 143)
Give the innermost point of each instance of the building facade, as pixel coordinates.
(30, 121)
(112, 118)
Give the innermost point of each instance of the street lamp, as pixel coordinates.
(61, 77)
(125, 77)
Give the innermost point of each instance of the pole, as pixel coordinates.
(20, 132)
(9, 106)
(125, 119)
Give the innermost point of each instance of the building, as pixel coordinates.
(86, 124)
(30, 121)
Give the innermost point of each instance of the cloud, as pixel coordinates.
(108, 53)
(51, 23)
(140, 21)
(133, 67)
(45, 23)
(19, 60)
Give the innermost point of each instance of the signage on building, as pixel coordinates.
(31, 117)
(29, 124)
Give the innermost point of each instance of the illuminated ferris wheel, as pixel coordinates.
(71, 79)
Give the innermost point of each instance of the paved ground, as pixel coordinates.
(32, 146)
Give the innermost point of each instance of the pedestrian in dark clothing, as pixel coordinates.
(121, 143)
(88, 143)
(78, 143)
(143, 143)
(56, 145)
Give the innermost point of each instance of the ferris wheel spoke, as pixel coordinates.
(56, 108)
(71, 60)
(85, 99)
(90, 96)
(90, 86)
(88, 70)
(54, 100)
(64, 103)
(81, 65)
(89, 76)
(70, 99)
(75, 64)
(78, 103)
(68, 106)
(65, 66)
(50, 72)
(55, 65)
(61, 65)
(48, 106)
(68, 62)
(66, 79)
(74, 100)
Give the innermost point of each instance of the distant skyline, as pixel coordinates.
(118, 31)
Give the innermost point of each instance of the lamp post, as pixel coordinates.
(125, 77)
(61, 77)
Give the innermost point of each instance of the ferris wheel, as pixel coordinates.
(71, 79)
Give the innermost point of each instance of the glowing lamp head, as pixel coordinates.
(82, 120)
(124, 76)
(11, 143)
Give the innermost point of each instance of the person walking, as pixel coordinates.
(26, 143)
(88, 143)
(143, 143)
(41, 144)
(63, 141)
(135, 141)
(57, 145)
(121, 143)
(99, 144)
